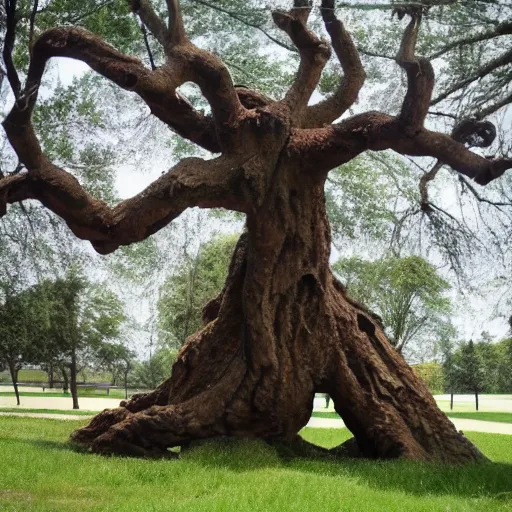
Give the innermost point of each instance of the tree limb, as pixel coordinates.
(323, 149)
(424, 180)
(314, 54)
(176, 27)
(147, 45)
(148, 16)
(347, 92)
(420, 77)
(193, 182)
(11, 22)
(494, 107)
(32, 23)
(154, 87)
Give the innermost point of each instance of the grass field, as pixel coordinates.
(29, 375)
(500, 417)
(49, 411)
(42, 472)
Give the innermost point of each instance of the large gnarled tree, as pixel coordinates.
(283, 328)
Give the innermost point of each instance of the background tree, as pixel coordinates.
(148, 374)
(505, 373)
(14, 342)
(408, 295)
(82, 317)
(467, 371)
(190, 288)
(281, 304)
(118, 360)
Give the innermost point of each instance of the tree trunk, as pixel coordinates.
(50, 376)
(282, 330)
(72, 379)
(14, 376)
(126, 384)
(65, 379)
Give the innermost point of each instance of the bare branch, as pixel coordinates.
(424, 180)
(494, 107)
(370, 53)
(503, 28)
(314, 53)
(420, 76)
(148, 16)
(503, 60)
(238, 17)
(11, 22)
(393, 6)
(176, 28)
(480, 198)
(441, 114)
(146, 44)
(347, 92)
(32, 23)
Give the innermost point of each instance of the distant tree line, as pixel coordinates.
(481, 367)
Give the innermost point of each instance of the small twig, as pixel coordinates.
(443, 114)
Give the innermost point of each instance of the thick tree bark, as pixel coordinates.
(14, 377)
(283, 330)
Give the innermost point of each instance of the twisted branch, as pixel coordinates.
(314, 54)
(420, 76)
(353, 78)
(193, 182)
(154, 87)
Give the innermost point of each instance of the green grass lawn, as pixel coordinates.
(41, 472)
(49, 411)
(31, 375)
(327, 414)
(501, 417)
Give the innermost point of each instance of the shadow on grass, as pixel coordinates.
(66, 446)
(490, 480)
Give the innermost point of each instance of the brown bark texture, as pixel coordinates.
(283, 328)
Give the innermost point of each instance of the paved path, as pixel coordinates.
(494, 402)
(64, 403)
(491, 427)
